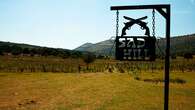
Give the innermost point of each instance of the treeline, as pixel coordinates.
(38, 51)
(179, 46)
(7, 48)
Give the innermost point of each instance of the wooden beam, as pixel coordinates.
(167, 58)
(162, 12)
(139, 7)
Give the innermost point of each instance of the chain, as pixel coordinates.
(153, 23)
(117, 20)
(153, 32)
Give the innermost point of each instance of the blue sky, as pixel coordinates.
(70, 23)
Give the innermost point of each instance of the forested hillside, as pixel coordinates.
(180, 45)
(8, 48)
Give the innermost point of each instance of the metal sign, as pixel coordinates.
(135, 48)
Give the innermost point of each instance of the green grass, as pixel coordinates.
(93, 91)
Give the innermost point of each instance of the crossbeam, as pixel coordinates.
(139, 7)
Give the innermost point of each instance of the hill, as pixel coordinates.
(179, 46)
(10, 48)
(18, 44)
(84, 47)
(101, 48)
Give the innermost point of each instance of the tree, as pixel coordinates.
(173, 56)
(16, 50)
(1, 53)
(100, 57)
(64, 54)
(188, 56)
(76, 54)
(44, 51)
(88, 58)
(26, 51)
(33, 51)
(5, 48)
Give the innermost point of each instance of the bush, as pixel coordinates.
(1, 53)
(188, 56)
(88, 58)
(137, 78)
(26, 51)
(121, 70)
(16, 50)
(178, 80)
(173, 57)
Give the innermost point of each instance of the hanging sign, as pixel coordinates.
(137, 48)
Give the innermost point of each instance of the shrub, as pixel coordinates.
(178, 80)
(88, 58)
(137, 78)
(188, 56)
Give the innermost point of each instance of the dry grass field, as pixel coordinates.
(95, 91)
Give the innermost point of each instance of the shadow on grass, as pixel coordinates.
(158, 80)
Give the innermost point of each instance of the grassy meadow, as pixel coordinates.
(41, 83)
(19, 64)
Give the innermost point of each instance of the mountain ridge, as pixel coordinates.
(179, 45)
